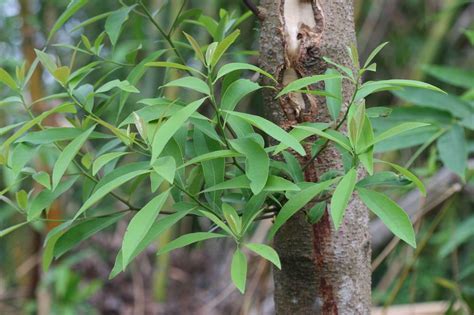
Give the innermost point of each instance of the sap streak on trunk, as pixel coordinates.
(324, 271)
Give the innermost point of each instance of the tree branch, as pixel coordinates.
(252, 7)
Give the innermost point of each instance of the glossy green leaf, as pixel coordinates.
(171, 126)
(374, 53)
(104, 159)
(390, 213)
(196, 47)
(82, 231)
(122, 85)
(266, 252)
(272, 130)
(192, 83)
(173, 65)
(412, 177)
(71, 9)
(341, 196)
(328, 136)
(237, 66)
(238, 270)
(236, 92)
(43, 179)
(232, 218)
(188, 239)
(6, 79)
(158, 228)
(103, 190)
(294, 167)
(257, 162)
(384, 179)
(67, 155)
(211, 156)
(304, 82)
(12, 229)
(334, 87)
(114, 22)
(140, 225)
(51, 135)
(222, 47)
(166, 168)
(46, 197)
(296, 202)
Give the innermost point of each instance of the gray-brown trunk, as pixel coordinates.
(324, 271)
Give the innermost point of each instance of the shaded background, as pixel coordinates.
(196, 280)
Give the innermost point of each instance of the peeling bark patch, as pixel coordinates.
(303, 24)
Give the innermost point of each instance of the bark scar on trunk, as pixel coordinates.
(303, 28)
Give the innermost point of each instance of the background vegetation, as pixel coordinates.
(429, 40)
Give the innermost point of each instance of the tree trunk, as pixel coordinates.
(324, 271)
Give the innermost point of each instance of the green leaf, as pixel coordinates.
(190, 83)
(232, 218)
(276, 183)
(238, 182)
(114, 22)
(257, 162)
(43, 179)
(61, 74)
(82, 231)
(304, 82)
(411, 83)
(166, 168)
(266, 252)
(164, 64)
(188, 239)
(294, 167)
(455, 76)
(341, 196)
(222, 47)
(432, 99)
(379, 111)
(51, 135)
(236, 92)
(366, 138)
(122, 85)
(334, 87)
(390, 213)
(158, 228)
(171, 126)
(215, 219)
(6, 79)
(211, 156)
(399, 129)
(11, 229)
(238, 270)
(46, 60)
(45, 198)
(71, 9)
(102, 190)
(385, 179)
(104, 159)
(272, 130)
(237, 66)
(374, 53)
(67, 155)
(296, 202)
(412, 177)
(22, 199)
(140, 225)
(343, 143)
(452, 147)
(196, 47)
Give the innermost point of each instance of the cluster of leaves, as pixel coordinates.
(218, 167)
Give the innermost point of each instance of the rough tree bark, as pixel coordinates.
(324, 271)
